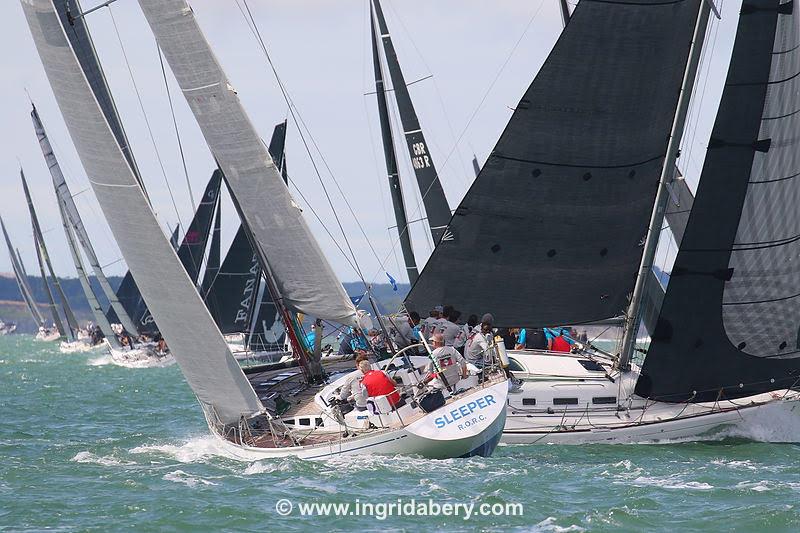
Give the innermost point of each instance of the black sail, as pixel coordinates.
(730, 322)
(433, 198)
(551, 230)
(214, 253)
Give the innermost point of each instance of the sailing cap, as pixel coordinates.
(438, 308)
(487, 319)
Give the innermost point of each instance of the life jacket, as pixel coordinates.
(560, 344)
(378, 383)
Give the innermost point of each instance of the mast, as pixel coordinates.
(22, 279)
(391, 159)
(436, 206)
(73, 216)
(633, 314)
(44, 259)
(97, 310)
(475, 165)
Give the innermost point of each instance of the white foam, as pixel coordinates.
(671, 482)
(191, 451)
(100, 361)
(107, 460)
(736, 465)
(549, 524)
(776, 422)
(179, 476)
(756, 486)
(262, 467)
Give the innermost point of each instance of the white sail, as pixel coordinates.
(304, 279)
(22, 279)
(183, 319)
(74, 217)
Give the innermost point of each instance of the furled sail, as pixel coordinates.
(71, 210)
(430, 186)
(551, 230)
(193, 338)
(94, 304)
(303, 278)
(22, 280)
(730, 322)
(44, 259)
(390, 156)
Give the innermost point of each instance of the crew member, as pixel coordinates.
(378, 383)
(478, 343)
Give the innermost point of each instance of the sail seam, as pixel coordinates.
(569, 165)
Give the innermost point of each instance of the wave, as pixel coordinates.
(106, 460)
(179, 476)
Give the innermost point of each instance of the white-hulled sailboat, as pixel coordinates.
(300, 279)
(552, 230)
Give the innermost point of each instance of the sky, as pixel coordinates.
(475, 59)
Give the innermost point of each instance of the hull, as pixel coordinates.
(430, 437)
(144, 356)
(44, 336)
(561, 401)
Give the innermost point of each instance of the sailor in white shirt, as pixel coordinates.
(477, 350)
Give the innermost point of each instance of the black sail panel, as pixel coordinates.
(430, 186)
(193, 247)
(551, 231)
(731, 315)
(214, 253)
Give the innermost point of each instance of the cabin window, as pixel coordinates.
(604, 400)
(318, 421)
(565, 401)
(305, 421)
(529, 401)
(515, 365)
(590, 365)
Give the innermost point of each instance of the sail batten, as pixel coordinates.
(302, 275)
(193, 338)
(551, 230)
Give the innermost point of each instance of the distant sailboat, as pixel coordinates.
(22, 281)
(299, 277)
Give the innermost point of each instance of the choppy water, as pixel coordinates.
(87, 446)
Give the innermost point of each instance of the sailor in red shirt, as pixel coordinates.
(378, 383)
(560, 344)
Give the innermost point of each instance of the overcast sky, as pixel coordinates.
(482, 56)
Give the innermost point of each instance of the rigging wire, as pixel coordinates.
(177, 130)
(144, 113)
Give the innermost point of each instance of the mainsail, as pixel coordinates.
(550, 232)
(22, 280)
(200, 350)
(401, 219)
(729, 326)
(71, 210)
(301, 273)
(44, 259)
(430, 186)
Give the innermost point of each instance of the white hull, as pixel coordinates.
(538, 413)
(47, 336)
(423, 437)
(143, 356)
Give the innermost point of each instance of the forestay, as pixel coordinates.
(730, 322)
(193, 338)
(304, 279)
(551, 231)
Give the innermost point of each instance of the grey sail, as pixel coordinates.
(71, 210)
(44, 260)
(401, 219)
(77, 33)
(430, 186)
(302, 276)
(51, 302)
(193, 338)
(94, 304)
(22, 280)
(679, 207)
(551, 230)
(729, 323)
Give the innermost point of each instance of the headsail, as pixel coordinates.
(22, 280)
(303, 278)
(731, 315)
(214, 253)
(204, 358)
(550, 232)
(44, 259)
(71, 210)
(430, 186)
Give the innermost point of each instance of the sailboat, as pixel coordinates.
(723, 352)
(22, 281)
(467, 421)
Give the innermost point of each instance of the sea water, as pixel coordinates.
(89, 446)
